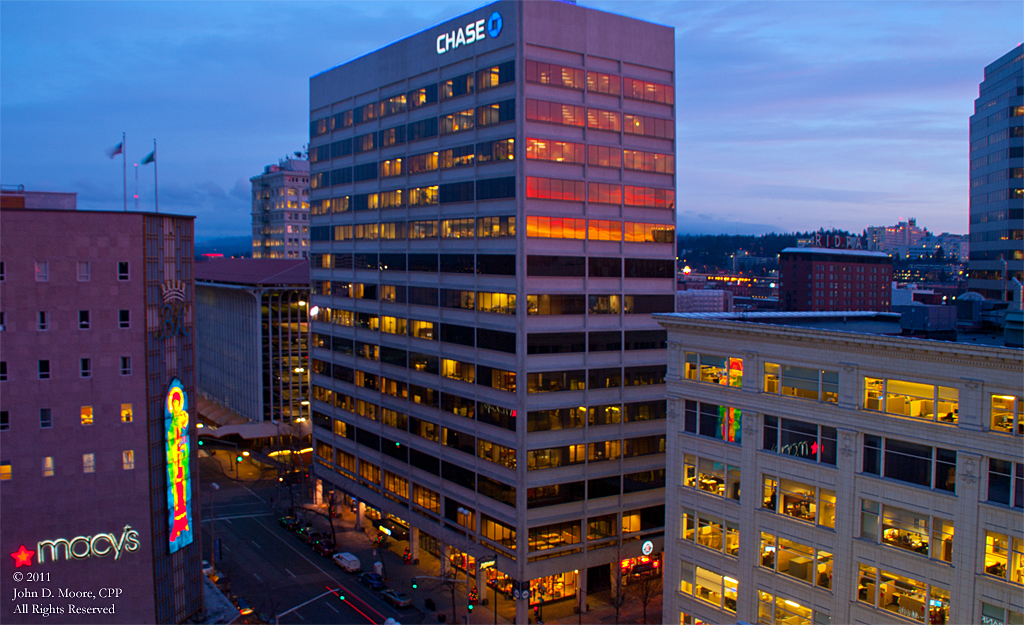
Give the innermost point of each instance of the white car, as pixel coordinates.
(207, 568)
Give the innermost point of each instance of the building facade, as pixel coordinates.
(997, 179)
(97, 454)
(499, 388)
(889, 238)
(252, 319)
(825, 279)
(280, 210)
(880, 476)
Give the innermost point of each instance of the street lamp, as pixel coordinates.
(214, 487)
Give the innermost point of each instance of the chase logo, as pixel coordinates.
(494, 25)
(471, 33)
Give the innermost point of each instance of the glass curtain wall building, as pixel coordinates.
(997, 179)
(493, 222)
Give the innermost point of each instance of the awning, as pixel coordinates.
(215, 413)
(248, 431)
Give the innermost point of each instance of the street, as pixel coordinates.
(271, 569)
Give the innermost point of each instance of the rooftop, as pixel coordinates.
(829, 250)
(254, 271)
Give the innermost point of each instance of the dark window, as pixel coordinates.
(690, 416)
(649, 268)
(556, 343)
(424, 363)
(496, 415)
(872, 454)
(422, 296)
(391, 136)
(458, 86)
(455, 298)
(574, 266)
(645, 411)
(496, 264)
(496, 340)
(423, 129)
(457, 263)
(342, 345)
(496, 490)
(460, 406)
(341, 176)
(421, 97)
(555, 494)
(122, 270)
(642, 376)
(393, 356)
(455, 192)
(604, 487)
(368, 439)
(605, 341)
(423, 262)
(394, 449)
(3, 370)
(320, 233)
(556, 304)
(44, 369)
(5, 422)
(644, 480)
(908, 462)
(392, 262)
(341, 148)
(1003, 486)
(604, 378)
(457, 475)
(45, 418)
(83, 319)
(605, 267)
(460, 335)
(494, 188)
(424, 461)
(646, 339)
(342, 373)
(365, 261)
(647, 304)
(366, 171)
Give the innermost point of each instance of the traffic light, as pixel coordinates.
(341, 594)
(415, 584)
(469, 608)
(238, 458)
(200, 442)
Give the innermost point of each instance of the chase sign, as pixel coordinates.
(470, 33)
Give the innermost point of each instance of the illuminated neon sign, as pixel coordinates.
(82, 547)
(179, 481)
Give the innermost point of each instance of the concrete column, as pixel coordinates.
(414, 543)
(967, 542)
(750, 497)
(844, 572)
(522, 611)
(581, 583)
(481, 583)
(360, 511)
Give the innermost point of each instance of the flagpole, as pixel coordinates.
(136, 187)
(124, 168)
(156, 188)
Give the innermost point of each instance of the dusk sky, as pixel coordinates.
(791, 115)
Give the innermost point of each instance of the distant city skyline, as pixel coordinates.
(790, 116)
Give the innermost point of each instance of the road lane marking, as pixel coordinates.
(238, 516)
(333, 608)
(254, 494)
(258, 577)
(328, 575)
(255, 543)
(299, 615)
(292, 574)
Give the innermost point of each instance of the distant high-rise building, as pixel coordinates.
(824, 279)
(997, 179)
(888, 238)
(493, 220)
(280, 210)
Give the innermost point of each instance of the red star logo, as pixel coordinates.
(23, 556)
(814, 448)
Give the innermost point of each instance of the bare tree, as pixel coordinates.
(450, 576)
(617, 597)
(645, 590)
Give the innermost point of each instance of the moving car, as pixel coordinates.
(347, 562)
(371, 581)
(243, 606)
(395, 598)
(290, 523)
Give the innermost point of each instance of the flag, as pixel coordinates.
(117, 149)
(149, 159)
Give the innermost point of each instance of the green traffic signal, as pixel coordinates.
(238, 458)
(414, 583)
(200, 442)
(470, 607)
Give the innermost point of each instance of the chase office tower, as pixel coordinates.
(500, 389)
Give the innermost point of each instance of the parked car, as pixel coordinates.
(243, 606)
(301, 531)
(310, 537)
(325, 547)
(395, 598)
(347, 562)
(371, 581)
(290, 523)
(207, 568)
